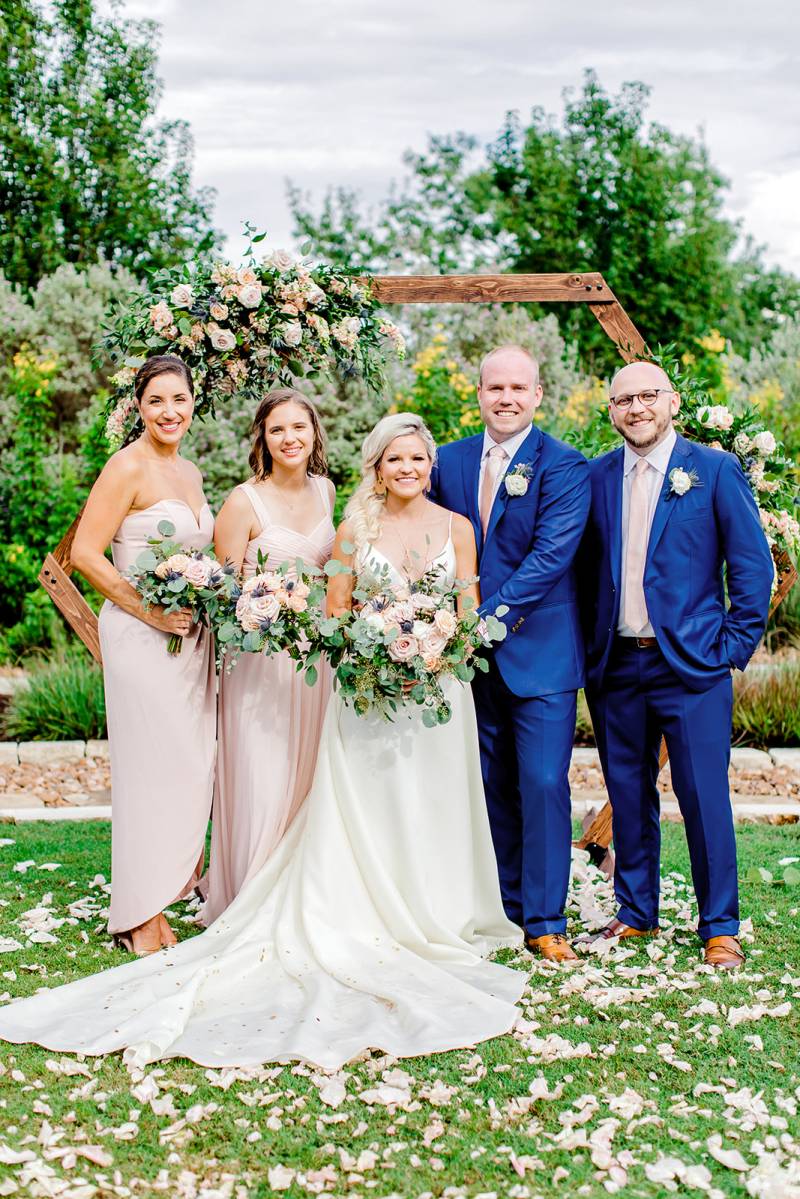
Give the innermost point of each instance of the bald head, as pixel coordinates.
(643, 424)
(509, 391)
(638, 376)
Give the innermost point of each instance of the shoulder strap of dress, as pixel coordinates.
(256, 503)
(322, 485)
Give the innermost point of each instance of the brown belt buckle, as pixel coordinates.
(645, 642)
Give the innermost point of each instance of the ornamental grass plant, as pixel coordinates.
(766, 705)
(64, 701)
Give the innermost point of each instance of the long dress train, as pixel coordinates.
(161, 712)
(368, 927)
(270, 723)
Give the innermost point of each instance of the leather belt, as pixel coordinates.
(638, 642)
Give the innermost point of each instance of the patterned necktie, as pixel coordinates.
(495, 461)
(635, 614)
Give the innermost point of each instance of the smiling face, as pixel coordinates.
(643, 426)
(405, 468)
(166, 407)
(289, 435)
(508, 393)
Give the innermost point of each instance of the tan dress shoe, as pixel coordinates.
(724, 953)
(553, 947)
(615, 928)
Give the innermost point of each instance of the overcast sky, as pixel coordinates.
(331, 92)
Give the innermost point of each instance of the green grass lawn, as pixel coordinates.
(639, 1072)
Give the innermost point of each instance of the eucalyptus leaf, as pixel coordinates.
(311, 675)
(177, 585)
(227, 631)
(166, 528)
(146, 560)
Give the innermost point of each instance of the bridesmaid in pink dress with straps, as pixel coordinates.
(160, 707)
(270, 720)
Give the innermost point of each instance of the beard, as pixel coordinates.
(643, 435)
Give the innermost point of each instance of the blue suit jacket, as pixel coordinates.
(526, 558)
(715, 523)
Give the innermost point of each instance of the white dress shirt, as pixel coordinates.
(510, 446)
(658, 461)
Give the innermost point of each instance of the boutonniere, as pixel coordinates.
(681, 481)
(516, 480)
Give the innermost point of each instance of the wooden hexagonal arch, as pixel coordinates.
(588, 288)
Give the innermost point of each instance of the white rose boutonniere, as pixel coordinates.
(681, 481)
(516, 480)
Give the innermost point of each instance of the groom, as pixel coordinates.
(527, 496)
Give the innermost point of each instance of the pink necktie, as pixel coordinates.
(495, 460)
(635, 614)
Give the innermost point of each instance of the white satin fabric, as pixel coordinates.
(367, 928)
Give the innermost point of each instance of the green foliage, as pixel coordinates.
(38, 628)
(88, 171)
(63, 702)
(599, 189)
(766, 710)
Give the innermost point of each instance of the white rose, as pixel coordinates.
(177, 563)
(764, 443)
(292, 333)
(741, 443)
(375, 621)
(516, 484)
(221, 339)
(420, 629)
(717, 416)
(445, 621)
(680, 481)
(314, 294)
(160, 316)
(249, 296)
(182, 296)
(280, 260)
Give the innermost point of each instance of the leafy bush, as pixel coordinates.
(63, 702)
(766, 708)
(41, 627)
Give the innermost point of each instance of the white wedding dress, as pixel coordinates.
(367, 928)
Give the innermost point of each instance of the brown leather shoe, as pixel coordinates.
(553, 947)
(724, 953)
(615, 928)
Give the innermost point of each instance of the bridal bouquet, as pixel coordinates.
(176, 577)
(398, 644)
(274, 611)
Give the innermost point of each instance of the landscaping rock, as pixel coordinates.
(585, 756)
(750, 759)
(8, 753)
(21, 799)
(789, 758)
(97, 749)
(51, 753)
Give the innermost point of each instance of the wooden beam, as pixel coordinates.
(69, 601)
(62, 551)
(492, 289)
(620, 328)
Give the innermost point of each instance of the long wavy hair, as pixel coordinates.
(366, 505)
(260, 457)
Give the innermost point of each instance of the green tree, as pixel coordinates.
(597, 189)
(86, 170)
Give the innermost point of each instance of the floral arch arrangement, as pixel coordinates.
(244, 330)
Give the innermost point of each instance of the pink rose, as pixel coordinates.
(445, 621)
(247, 276)
(280, 260)
(424, 603)
(219, 312)
(404, 648)
(249, 296)
(160, 316)
(177, 563)
(196, 572)
(292, 333)
(182, 296)
(265, 607)
(433, 643)
(221, 339)
(297, 602)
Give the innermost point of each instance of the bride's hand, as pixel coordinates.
(179, 622)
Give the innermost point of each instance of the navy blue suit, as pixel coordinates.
(682, 687)
(526, 703)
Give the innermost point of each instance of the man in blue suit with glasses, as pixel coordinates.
(668, 517)
(527, 496)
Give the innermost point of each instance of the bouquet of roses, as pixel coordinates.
(274, 612)
(169, 574)
(398, 644)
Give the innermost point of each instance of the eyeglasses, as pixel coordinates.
(648, 398)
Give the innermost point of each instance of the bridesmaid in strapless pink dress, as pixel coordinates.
(270, 720)
(161, 708)
(161, 716)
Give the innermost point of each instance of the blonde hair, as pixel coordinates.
(365, 507)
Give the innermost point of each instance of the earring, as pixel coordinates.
(380, 486)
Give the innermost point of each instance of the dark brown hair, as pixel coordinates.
(161, 364)
(260, 457)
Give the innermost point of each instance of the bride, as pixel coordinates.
(370, 925)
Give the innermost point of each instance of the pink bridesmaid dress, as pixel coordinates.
(270, 722)
(161, 715)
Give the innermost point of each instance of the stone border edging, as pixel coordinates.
(50, 753)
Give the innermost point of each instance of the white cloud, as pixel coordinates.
(332, 94)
